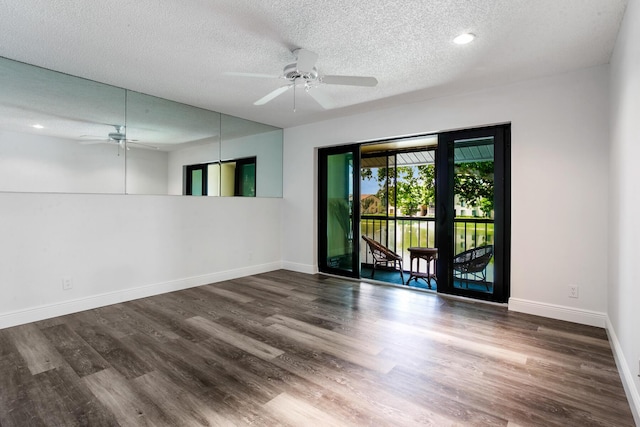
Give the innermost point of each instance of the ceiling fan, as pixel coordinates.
(304, 73)
(118, 137)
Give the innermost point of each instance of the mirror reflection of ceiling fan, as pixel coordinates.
(304, 73)
(118, 137)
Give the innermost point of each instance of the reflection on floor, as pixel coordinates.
(393, 276)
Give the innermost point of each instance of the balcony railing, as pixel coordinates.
(401, 233)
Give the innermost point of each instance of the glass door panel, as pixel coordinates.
(338, 226)
(473, 206)
(376, 206)
(339, 214)
(247, 182)
(397, 203)
(473, 198)
(196, 180)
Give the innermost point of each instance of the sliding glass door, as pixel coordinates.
(473, 221)
(338, 227)
(448, 192)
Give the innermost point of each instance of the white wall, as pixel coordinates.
(147, 171)
(120, 247)
(624, 202)
(559, 182)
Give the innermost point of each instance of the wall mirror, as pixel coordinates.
(49, 127)
(60, 133)
(162, 138)
(244, 140)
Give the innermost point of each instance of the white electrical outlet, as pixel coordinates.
(573, 291)
(67, 283)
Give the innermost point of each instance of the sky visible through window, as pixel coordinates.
(369, 186)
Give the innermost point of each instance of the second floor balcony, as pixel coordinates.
(401, 233)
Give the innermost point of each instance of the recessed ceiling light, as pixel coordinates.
(464, 38)
(37, 126)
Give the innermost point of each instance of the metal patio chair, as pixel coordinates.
(474, 262)
(383, 255)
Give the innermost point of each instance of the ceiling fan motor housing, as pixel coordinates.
(292, 73)
(116, 136)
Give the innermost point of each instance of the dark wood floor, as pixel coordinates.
(284, 348)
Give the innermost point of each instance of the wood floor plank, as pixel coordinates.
(6, 344)
(37, 351)
(199, 380)
(126, 321)
(222, 306)
(350, 386)
(233, 296)
(267, 295)
(127, 404)
(169, 318)
(177, 302)
(74, 350)
(144, 324)
(348, 354)
(336, 338)
(285, 291)
(202, 361)
(285, 348)
(211, 303)
(493, 351)
(187, 409)
(247, 344)
(16, 407)
(231, 392)
(274, 374)
(454, 402)
(297, 412)
(117, 353)
(62, 399)
(47, 323)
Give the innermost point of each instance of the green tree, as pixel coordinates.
(486, 205)
(427, 174)
(408, 190)
(473, 184)
(414, 186)
(409, 186)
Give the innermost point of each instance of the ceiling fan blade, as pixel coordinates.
(93, 141)
(350, 80)
(271, 95)
(322, 98)
(258, 75)
(306, 60)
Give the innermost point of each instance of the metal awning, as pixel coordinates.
(462, 154)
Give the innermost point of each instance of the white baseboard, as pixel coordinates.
(559, 312)
(300, 268)
(628, 379)
(34, 314)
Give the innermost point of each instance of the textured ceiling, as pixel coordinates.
(181, 50)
